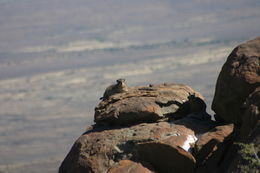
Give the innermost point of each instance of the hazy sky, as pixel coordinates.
(36, 35)
(51, 22)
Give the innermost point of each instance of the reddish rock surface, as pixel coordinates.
(238, 78)
(149, 104)
(160, 144)
(98, 150)
(166, 158)
(128, 166)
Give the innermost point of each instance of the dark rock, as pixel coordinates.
(219, 120)
(244, 154)
(197, 105)
(238, 78)
(148, 104)
(251, 117)
(198, 122)
(210, 142)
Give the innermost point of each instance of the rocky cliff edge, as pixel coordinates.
(165, 128)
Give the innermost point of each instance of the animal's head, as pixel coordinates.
(191, 96)
(120, 81)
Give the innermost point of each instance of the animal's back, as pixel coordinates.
(119, 87)
(110, 90)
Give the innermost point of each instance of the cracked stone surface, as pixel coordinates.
(155, 124)
(149, 104)
(159, 144)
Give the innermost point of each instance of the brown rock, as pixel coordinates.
(128, 166)
(146, 104)
(211, 141)
(166, 158)
(238, 78)
(164, 145)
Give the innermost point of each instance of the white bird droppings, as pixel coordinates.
(191, 139)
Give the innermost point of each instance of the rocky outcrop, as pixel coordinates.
(159, 144)
(238, 78)
(149, 104)
(165, 128)
(156, 125)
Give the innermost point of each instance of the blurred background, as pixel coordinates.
(58, 56)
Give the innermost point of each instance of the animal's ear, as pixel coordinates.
(120, 80)
(191, 96)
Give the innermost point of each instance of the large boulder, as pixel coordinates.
(238, 78)
(237, 100)
(149, 104)
(164, 145)
(167, 146)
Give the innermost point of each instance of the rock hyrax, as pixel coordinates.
(197, 105)
(119, 87)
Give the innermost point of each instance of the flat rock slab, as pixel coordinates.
(163, 145)
(148, 104)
